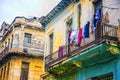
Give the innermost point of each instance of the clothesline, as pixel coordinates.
(113, 4)
(109, 7)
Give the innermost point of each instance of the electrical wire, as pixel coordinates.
(109, 7)
(113, 4)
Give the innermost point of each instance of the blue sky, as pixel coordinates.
(9, 9)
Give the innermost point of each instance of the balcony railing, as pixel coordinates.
(4, 52)
(32, 49)
(103, 33)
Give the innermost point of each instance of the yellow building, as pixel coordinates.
(67, 59)
(22, 49)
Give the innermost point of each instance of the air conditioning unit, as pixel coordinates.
(25, 50)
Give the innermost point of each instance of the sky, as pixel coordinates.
(9, 9)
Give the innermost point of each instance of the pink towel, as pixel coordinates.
(80, 36)
(60, 51)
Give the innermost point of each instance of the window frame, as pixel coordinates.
(27, 39)
(24, 69)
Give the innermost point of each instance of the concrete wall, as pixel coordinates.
(37, 42)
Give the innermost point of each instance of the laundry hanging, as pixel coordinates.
(98, 14)
(93, 23)
(60, 51)
(73, 36)
(80, 36)
(96, 18)
(86, 30)
(76, 37)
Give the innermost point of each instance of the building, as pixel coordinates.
(82, 40)
(22, 49)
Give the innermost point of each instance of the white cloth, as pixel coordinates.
(74, 36)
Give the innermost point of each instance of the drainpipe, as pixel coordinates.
(118, 22)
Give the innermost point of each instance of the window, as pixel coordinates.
(4, 72)
(8, 68)
(5, 44)
(11, 41)
(1, 73)
(24, 71)
(51, 42)
(8, 44)
(69, 24)
(27, 39)
(108, 76)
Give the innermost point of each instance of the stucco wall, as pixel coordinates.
(114, 14)
(37, 40)
(58, 27)
(35, 69)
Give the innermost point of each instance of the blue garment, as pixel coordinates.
(96, 18)
(94, 23)
(86, 30)
(98, 14)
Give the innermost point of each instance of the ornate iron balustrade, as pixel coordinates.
(32, 49)
(4, 52)
(105, 32)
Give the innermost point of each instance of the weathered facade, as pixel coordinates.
(97, 55)
(22, 49)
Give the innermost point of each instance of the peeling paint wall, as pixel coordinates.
(15, 41)
(37, 40)
(58, 27)
(35, 69)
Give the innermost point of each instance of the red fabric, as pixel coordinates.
(80, 36)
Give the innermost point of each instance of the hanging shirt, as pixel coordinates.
(98, 14)
(76, 37)
(96, 18)
(72, 36)
(86, 30)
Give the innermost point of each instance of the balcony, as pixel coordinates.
(32, 50)
(102, 34)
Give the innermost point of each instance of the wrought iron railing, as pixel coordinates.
(103, 33)
(32, 49)
(4, 52)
